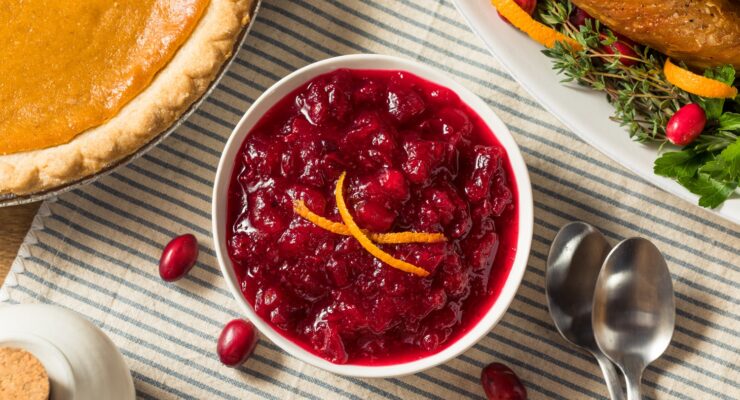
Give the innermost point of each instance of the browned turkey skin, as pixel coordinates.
(700, 33)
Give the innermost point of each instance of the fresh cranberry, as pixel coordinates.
(417, 159)
(236, 342)
(686, 124)
(527, 5)
(579, 17)
(501, 383)
(621, 47)
(178, 257)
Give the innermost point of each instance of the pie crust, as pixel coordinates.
(180, 83)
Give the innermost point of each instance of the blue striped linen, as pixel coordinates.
(95, 250)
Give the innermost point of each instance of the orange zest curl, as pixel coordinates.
(365, 241)
(339, 228)
(407, 237)
(697, 84)
(334, 227)
(541, 33)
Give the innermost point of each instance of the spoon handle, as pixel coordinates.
(611, 377)
(633, 386)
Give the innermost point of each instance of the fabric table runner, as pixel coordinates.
(95, 250)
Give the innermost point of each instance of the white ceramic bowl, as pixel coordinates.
(379, 62)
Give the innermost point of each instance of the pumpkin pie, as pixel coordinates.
(85, 83)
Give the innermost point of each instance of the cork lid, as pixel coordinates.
(22, 376)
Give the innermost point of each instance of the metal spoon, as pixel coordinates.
(573, 265)
(634, 311)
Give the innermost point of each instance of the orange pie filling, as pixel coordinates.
(68, 66)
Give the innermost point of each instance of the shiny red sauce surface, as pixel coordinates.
(417, 159)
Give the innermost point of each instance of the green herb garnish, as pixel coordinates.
(644, 102)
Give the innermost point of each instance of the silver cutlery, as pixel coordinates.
(573, 264)
(634, 310)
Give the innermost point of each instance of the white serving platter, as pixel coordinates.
(585, 112)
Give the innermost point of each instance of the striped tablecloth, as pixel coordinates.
(95, 250)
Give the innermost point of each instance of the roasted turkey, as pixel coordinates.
(701, 33)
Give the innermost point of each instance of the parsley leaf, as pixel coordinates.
(712, 191)
(717, 168)
(729, 121)
(679, 164)
(726, 165)
(731, 155)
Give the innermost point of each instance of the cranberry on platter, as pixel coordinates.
(236, 342)
(178, 257)
(501, 383)
(417, 161)
(579, 17)
(686, 124)
(623, 47)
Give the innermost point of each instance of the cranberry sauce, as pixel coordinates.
(417, 159)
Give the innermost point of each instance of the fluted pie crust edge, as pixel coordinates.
(173, 90)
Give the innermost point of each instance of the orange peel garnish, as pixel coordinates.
(301, 209)
(407, 237)
(365, 241)
(540, 32)
(697, 84)
(339, 228)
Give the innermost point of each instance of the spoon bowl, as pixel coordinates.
(634, 310)
(573, 266)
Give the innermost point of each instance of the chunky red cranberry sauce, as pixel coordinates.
(417, 159)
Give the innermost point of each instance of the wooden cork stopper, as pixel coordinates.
(22, 376)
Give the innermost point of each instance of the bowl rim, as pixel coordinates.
(375, 62)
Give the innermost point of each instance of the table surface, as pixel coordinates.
(15, 223)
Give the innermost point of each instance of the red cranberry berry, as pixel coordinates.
(686, 124)
(527, 5)
(579, 17)
(501, 383)
(236, 342)
(178, 257)
(623, 47)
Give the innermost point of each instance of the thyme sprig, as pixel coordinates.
(643, 101)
